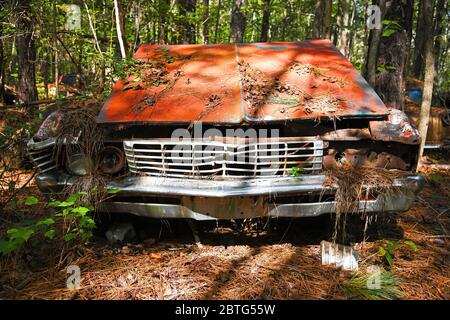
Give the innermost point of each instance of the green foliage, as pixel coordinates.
(357, 287)
(383, 67)
(31, 200)
(296, 171)
(388, 32)
(76, 214)
(388, 248)
(113, 191)
(392, 26)
(19, 235)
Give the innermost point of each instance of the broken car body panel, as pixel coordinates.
(196, 72)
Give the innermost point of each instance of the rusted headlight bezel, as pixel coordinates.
(111, 160)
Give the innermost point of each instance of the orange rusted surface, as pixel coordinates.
(208, 85)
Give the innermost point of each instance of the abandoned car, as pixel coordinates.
(234, 131)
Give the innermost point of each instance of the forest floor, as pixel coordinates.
(277, 264)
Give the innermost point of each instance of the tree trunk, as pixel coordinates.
(188, 33)
(216, 31)
(393, 55)
(137, 24)
(2, 68)
(205, 29)
(427, 11)
(439, 32)
(120, 29)
(163, 7)
(374, 44)
(328, 6)
(55, 48)
(318, 19)
(94, 32)
(352, 31)
(26, 53)
(418, 60)
(265, 22)
(238, 21)
(409, 30)
(344, 22)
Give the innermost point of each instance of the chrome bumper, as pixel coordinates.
(233, 199)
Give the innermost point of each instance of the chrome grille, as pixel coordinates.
(42, 156)
(194, 158)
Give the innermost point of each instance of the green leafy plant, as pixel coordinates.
(295, 171)
(388, 249)
(389, 32)
(79, 224)
(392, 26)
(76, 213)
(383, 67)
(22, 233)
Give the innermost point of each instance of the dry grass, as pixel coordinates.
(78, 122)
(357, 184)
(212, 272)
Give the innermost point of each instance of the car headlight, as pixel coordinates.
(110, 160)
(51, 126)
(78, 164)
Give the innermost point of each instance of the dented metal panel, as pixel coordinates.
(210, 83)
(396, 128)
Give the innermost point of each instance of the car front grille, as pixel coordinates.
(42, 156)
(211, 158)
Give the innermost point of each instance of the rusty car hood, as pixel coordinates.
(237, 83)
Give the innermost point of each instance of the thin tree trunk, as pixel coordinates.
(26, 52)
(238, 21)
(137, 23)
(429, 77)
(418, 61)
(254, 23)
(94, 33)
(55, 46)
(119, 29)
(205, 28)
(265, 22)
(344, 22)
(2, 68)
(46, 75)
(318, 19)
(409, 31)
(374, 44)
(328, 6)
(352, 31)
(393, 56)
(439, 33)
(162, 8)
(216, 29)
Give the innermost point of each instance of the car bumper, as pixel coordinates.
(305, 196)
